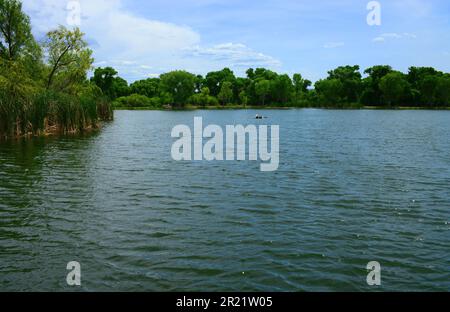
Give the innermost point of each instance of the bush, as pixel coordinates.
(203, 100)
(137, 101)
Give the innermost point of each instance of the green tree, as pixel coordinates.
(241, 84)
(180, 85)
(225, 95)
(214, 80)
(394, 87)
(199, 83)
(243, 98)
(135, 101)
(442, 95)
(262, 89)
(250, 73)
(350, 78)
(263, 73)
(15, 30)
(104, 78)
(371, 94)
(18, 49)
(330, 92)
(427, 89)
(253, 91)
(69, 57)
(166, 98)
(300, 85)
(120, 87)
(417, 74)
(203, 98)
(282, 89)
(423, 82)
(300, 89)
(149, 87)
(73, 103)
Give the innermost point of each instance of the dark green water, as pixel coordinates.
(352, 187)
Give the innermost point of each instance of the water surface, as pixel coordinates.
(352, 187)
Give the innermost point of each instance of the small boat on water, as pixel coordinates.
(258, 116)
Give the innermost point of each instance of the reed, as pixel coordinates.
(49, 111)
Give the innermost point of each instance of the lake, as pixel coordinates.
(352, 187)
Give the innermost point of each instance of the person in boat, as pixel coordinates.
(258, 116)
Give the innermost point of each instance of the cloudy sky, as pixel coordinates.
(144, 38)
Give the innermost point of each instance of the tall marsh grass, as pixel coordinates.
(50, 111)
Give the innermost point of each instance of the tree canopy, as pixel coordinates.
(44, 87)
(15, 31)
(345, 87)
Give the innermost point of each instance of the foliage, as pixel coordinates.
(180, 85)
(37, 94)
(350, 82)
(15, 31)
(330, 92)
(225, 95)
(68, 57)
(137, 101)
(343, 88)
(394, 87)
(262, 88)
(105, 78)
(371, 94)
(215, 80)
(148, 87)
(203, 99)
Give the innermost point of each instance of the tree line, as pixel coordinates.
(345, 87)
(44, 86)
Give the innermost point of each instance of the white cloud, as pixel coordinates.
(393, 36)
(132, 44)
(233, 54)
(333, 45)
(408, 35)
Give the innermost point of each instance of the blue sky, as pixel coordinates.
(146, 38)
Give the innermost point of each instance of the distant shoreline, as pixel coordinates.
(231, 107)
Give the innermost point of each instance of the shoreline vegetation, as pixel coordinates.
(44, 87)
(382, 87)
(238, 107)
